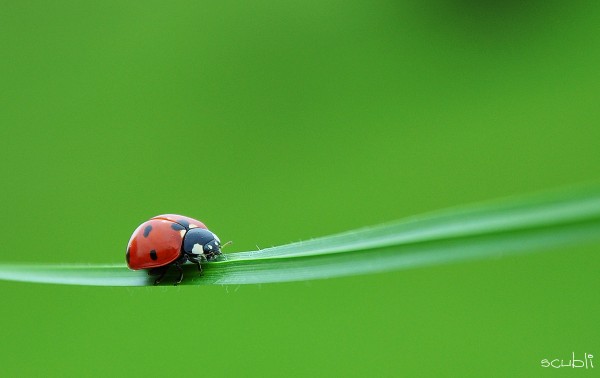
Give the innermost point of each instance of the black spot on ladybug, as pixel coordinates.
(153, 255)
(177, 227)
(127, 256)
(147, 230)
(184, 223)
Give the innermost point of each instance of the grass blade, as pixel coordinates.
(521, 225)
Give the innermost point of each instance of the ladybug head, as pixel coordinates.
(199, 241)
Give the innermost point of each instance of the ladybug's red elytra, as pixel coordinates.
(170, 239)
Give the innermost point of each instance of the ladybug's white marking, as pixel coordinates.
(209, 246)
(182, 233)
(198, 249)
(193, 226)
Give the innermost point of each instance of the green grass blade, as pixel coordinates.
(522, 225)
(502, 216)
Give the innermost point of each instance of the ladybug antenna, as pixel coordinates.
(226, 244)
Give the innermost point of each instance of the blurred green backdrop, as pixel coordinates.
(280, 121)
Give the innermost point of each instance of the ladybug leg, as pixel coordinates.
(178, 266)
(195, 261)
(162, 275)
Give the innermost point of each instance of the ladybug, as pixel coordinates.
(170, 239)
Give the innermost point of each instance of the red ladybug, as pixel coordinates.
(170, 239)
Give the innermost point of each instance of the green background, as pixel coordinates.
(281, 121)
